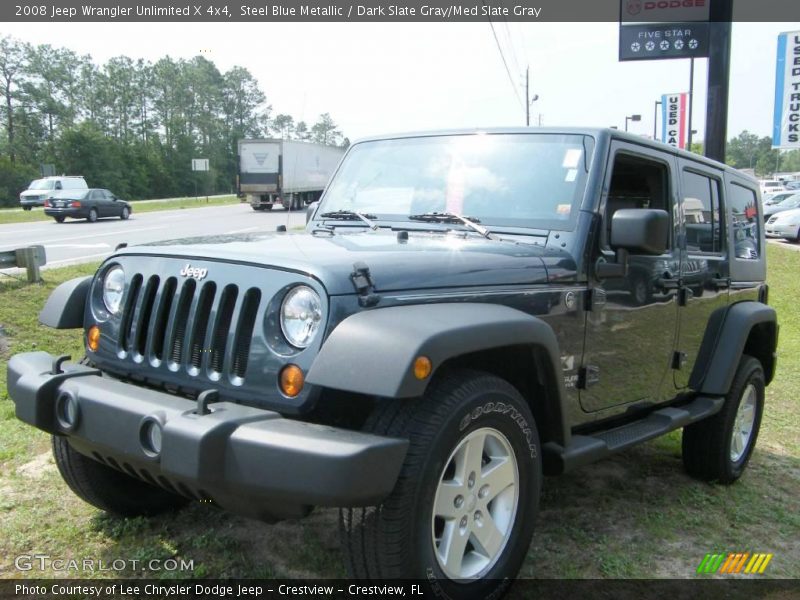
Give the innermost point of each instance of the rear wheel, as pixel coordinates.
(719, 448)
(108, 489)
(26, 208)
(463, 509)
(59, 219)
(92, 218)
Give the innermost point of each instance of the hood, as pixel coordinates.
(424, 260)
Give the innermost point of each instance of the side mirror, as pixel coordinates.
(312, 208)
(634, 231)
(640, 231)
(58, 185)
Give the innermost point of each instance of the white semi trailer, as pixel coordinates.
(286, 172)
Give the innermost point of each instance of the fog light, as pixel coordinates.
(151, 437)
(291, 380)
(93, 338)
(67, 411)
(422, 367)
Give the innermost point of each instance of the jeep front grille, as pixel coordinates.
(200, 327)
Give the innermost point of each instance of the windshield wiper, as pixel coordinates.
(444, 217)
(351, 215)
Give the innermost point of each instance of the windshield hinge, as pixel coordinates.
(362, 280)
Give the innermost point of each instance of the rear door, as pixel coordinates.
(705, 269)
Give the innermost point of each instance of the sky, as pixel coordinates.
(376, 78)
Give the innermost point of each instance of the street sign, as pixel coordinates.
(786, 119)
(674, 121)
(199, 164)
(654, 41)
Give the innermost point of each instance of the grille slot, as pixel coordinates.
(181, 320)
(244, 331)
(160, 325)
(224, 318)
(130, 304)
(146, 310)
(201, 317)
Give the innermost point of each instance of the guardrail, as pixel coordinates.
(30, 259)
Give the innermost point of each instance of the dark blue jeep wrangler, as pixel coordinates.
(464, 312)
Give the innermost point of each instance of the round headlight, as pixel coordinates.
(113, 286)
(301, 315)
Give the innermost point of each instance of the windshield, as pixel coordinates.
(523, 180)
(41, 184)
(790, 201)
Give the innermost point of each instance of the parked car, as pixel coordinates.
(789, 203)
(771, 186)
(784, 225)
(793, 185)
(41, 189)
(86, 204)
(777, 197)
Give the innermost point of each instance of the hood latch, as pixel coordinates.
(362, 280)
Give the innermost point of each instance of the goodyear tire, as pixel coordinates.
(461, 515)
(108, 489)
(719, 448)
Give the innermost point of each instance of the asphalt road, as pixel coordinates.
(76, 241)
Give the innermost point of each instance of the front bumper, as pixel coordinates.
(781, 230)
(247, 460)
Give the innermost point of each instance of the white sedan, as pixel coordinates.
(785, 225)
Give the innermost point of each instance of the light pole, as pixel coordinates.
(633, 118)
(655, 119)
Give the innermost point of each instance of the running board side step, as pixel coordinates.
(584, 449)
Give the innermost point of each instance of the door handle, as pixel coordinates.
(668, 283)
(720, 282)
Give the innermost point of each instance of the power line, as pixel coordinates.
(505, 64)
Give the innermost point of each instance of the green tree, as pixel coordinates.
(284, 126)
(325, 131)
(12, 69)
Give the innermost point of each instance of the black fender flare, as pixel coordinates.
(725, 341)
(373, 352)
(65, 306)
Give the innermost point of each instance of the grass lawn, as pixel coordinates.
(37, 214)
(636, 515)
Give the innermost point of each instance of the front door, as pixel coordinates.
(631, 329)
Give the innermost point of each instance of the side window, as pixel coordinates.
(744, 222)
(701, 212)
(636, 182)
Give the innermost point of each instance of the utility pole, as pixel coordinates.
(527, 97)
(691, 102)
(719, 66)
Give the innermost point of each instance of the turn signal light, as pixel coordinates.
(47, 203)
(291, 380)
(93, 338)
(422, 367)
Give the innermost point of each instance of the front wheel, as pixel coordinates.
(108, 489)
(125, 213)
(463, 509)
(718, 448)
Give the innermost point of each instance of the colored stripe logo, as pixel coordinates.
(734, 563)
